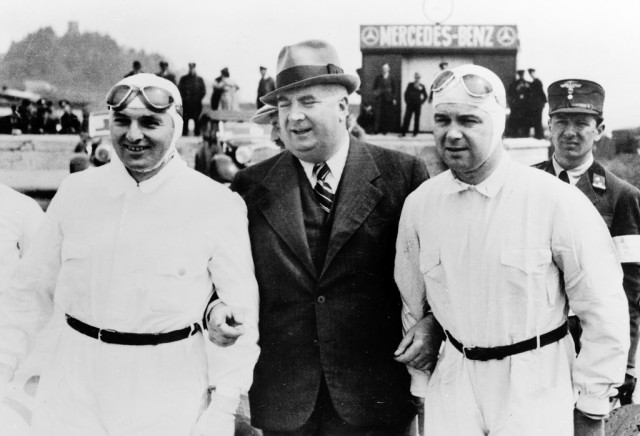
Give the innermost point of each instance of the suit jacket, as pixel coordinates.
(344, 321)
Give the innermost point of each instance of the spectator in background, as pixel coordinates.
(265, 86)
(45, 122)
(216, 93)
(137, 69)
(384, 92)
(538, 100)
(519, 101)
(228, 88)
(414, 96)
(69, 122)
(366, 117)
(24, 115)
(192, 90)
(165, 73)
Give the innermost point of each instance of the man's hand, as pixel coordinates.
(586, 426)
(224, 325)
(420, 346)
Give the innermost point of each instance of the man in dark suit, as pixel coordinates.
(575, 124)
(265, 86)
(384, 91)
(538, 100)
(414, 96)
(323, 219)
(192, 90)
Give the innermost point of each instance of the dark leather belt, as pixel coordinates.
(114, 337)
(497, 353)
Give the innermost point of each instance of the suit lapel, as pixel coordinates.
(356, 197)
(282, 207)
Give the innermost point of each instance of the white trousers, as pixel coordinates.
(97, 389)
(526, 394)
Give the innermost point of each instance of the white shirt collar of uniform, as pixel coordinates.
(490, 186)
(575, 173)
(121, 181)
(336, 165)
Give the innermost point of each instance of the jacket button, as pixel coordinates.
(321, 299)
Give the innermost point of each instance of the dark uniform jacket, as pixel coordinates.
(618, 203)
(415, 95)
(265, 86)
(342, 321)
(192, 90)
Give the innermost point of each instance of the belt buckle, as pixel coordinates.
(465, 350)
(471, 353)
(102, 331)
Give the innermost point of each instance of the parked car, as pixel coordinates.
(232, 142)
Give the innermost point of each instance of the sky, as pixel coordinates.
(591, 39)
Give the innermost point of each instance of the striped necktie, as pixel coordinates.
(323, 190)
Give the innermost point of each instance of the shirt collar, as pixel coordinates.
(575, 173)
(489, 187)
(121, 181)
(336, 165)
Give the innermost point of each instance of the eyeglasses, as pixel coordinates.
(474, 85)
(155, 98)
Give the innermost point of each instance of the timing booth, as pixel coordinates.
(421, 48)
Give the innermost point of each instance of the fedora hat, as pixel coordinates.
(263, 116)
(309, 63)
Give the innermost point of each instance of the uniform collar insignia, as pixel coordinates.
(570, 85)
(599, 182)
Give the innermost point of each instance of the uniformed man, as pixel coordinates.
(575, 124)
(130, 252)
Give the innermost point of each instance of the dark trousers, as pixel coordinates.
(191, 113)
(412, 109)
(536, 121)
(325, 421)
(384, 117)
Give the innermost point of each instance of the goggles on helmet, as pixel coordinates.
(154, 98)
(474, 85)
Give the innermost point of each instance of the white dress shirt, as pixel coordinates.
(501, 262)
(139, 258)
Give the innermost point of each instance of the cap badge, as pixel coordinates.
(570, 85)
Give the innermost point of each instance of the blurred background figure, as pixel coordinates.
(165, 73)
(519, 101)
(69, 122)
(366, 118)
(384, 90)
(538, 100)
(192, 90)
(216, 93)
(45, 122)
(24, 117)
(137, 69)
(265, 85)
(228, 87)
(414, 97)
